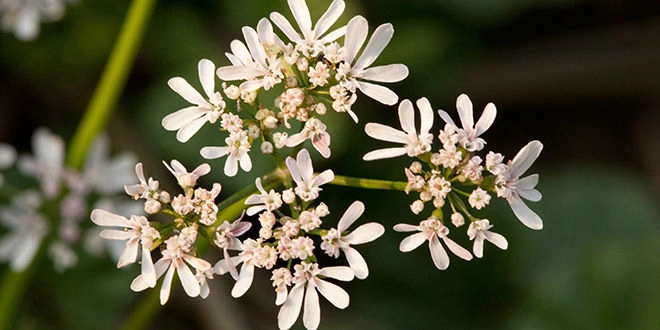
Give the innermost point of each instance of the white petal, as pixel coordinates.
(231, 166)
(244, 281)
(291, 309)
(478, 247)
(365, 233)
(281, 296)
(404, 227)
(445, 116)
(312, 311)
(487, 118)
(426, 115)
(385, 73)
(407, 117)
(525, 214)
(323, 178)
(285, 26)
(183, 88)
(188, 280)
(329, 17)
(202, 169)
(341, 273)
(530, 194)
(304, 162)
(292, 165)
(254, 45)
(378, 41)
(241, 52)
(525, 158)
(301, 14)
(213, 152)
(335, 294)
(148, 269)
(22, 258)
(229, 73)
(129, 254)
(189, 129)
(167, 285)
(356, 262)
(528, 182)
(105, 218)
(384, 153)
(385, 133)
(456, 249)
(206, 71)
(464, 107)
(438, 254)
(356, 33)
(412, 242)
(334, 35)
(497, 239)
(379, 93)
(114, 234)
(246, 162)
(353, 212)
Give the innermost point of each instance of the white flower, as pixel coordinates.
(479, 198)
(145, 189)
(495, 163)
(107, 175)
(139, 235)
(184, 179)
(479, 231)
(510, 186)
(23, 17)
(314, 130)
(307, 280)
(302, 172)
(312, 41)
(175, 259)
(226, 238)
(354, 73)
(413, 144)
(281, 280)
(47, 162)
(246, 275)
(188, 121)
(430, 230)
(238, 146)
(7, 158)
(27, 229)
(469, 134)
(362, 234)
(252, 63)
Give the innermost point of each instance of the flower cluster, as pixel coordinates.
(456, 172)
(311, 72)
(285, 245)
(61, 202)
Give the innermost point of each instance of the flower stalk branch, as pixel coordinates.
(347, 181)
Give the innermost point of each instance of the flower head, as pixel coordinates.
(479, 231)
(188, 121)
(469, 134)
(302, 172)
(414, 144)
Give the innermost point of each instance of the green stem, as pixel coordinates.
(341, 180)
(112, 80)
(12, 285)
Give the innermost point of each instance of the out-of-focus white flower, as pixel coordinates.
(7, 158)
(354, 73)
(468, 136)
(253, 63)
(104, 174)
(307, 184)
(510, 186)
(340, 239)
(47, 162)
(479, 231)
(308, 279)
(27, 229)
(312, 41)
(138, 233)
(413, 144)
(23, 16)
(188, 121)
(430, 230)
(237, 152)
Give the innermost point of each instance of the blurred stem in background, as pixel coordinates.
(94, 120)
(112, 81)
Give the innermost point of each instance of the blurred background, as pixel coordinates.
(579, 75)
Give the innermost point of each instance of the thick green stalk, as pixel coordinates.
(112, 81)
(341, 180)
(12, 284)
